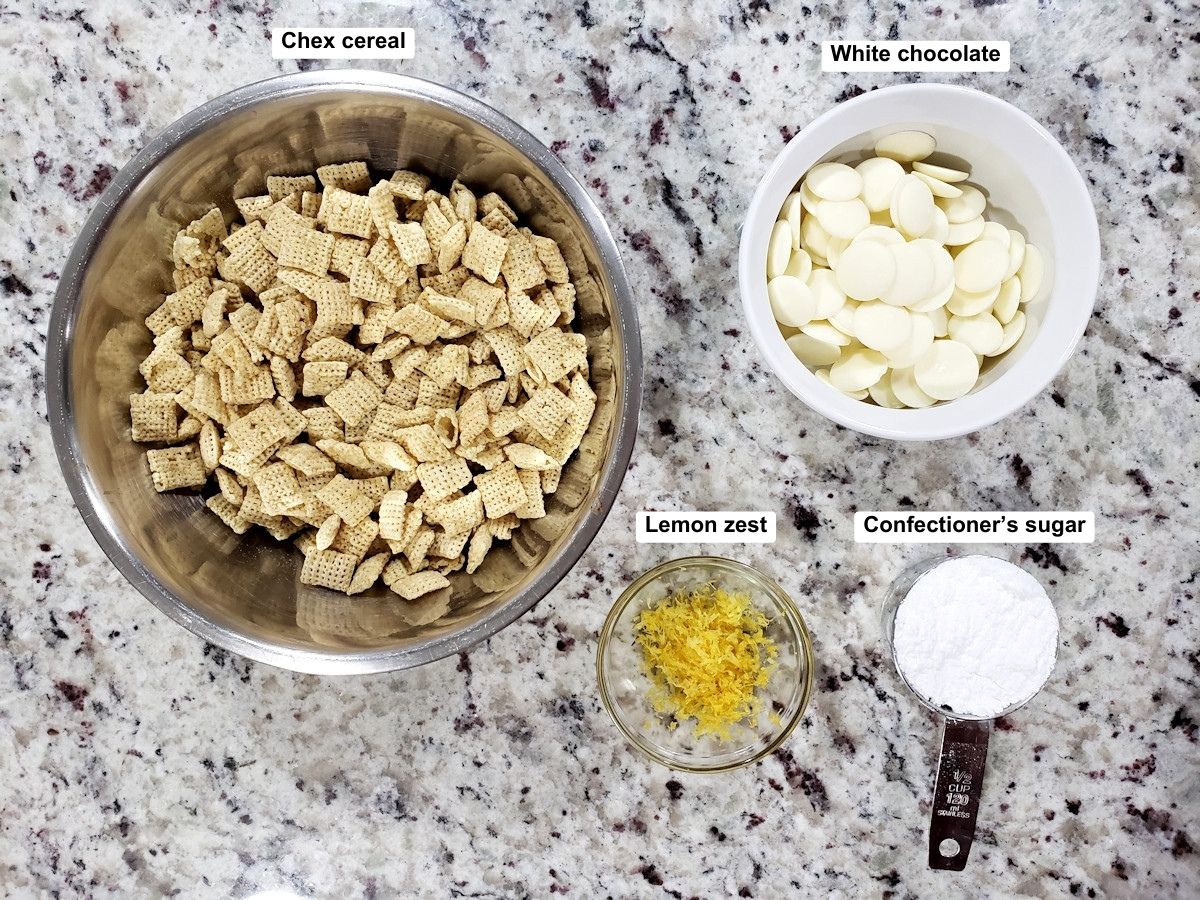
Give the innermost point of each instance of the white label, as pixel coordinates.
(914, 56)
(741, 527)
(1060, 527)
(342, 43)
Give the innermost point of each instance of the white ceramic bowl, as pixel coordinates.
(1032, 186)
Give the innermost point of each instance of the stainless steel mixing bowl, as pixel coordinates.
(243, 593)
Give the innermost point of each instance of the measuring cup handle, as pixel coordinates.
(956, 793)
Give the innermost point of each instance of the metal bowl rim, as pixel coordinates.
(68, 301)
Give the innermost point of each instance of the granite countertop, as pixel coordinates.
(140, 761)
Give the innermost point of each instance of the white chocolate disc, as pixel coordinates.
(937, 187)
(939, 230)
(800, 265)
(836, 246)
(963, 232)
(813, 237)
(779, 249)
(792, 213)
(813, 353)
(808, 199)
(947, 370)
(822, 331)
(994, 231)
(879, 177)
(967, 303)
(865, 270)
(792, 302)
(942, 173)
(834, 181)
(982, 333)
(1016, 253)
(980, 266)
(883, 234)
(843, 319)
(906, 146)
(1012, 333)
(883, 395)
(857, 370)
(843, 218)
(882, 327)
(920, 339)
(912, 206)
(965, 207)
(830, 298)
(904, 387)
(1007, 300)
(914, 275)
(1031, 271)
(823, 374)
(940, 321)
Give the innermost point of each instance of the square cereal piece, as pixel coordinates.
(387, 260)
(473, 418)
(252, 208)
(546, 410)
(328, 568)
(534, 506)
(550, 479)
(418, 323)
(481, 543)
(307, 459)
(323, 378)
(521, 267)
(347, 455)
(284, 377)
(245, 321)
(323, 424)
(251, 233)
(259, 429)
(411, 243)
(307, 250)
(449, 546)
(228, 513)
(278, 488)
(210, 445)
(509, 349)
(374, 327)
(556, 353)
(524, 315)
(210, 225)
(462, 514)
(551, 259)
(374, 487)
(333, 349)
(383, 206)
(346, 213)
(280, 186)
(441, 479)
(246, 387)
(482, 296)
(366, 282)
(356, 540)
(409, 185)
(430, 393)
(496, 221)
(310, 204)
(349, 176)
(187, 305)
(478, 375)
(368, 573)
(393, 513)
(419, 547)
(176, 467)
(451, 308)
(410, 587)
(354, 399)
(279, 221)
(388, 454)
(564, 296)
(501, 490)
(345, 251)
(493, 201)
(423, 443)
(153, 417)
(528, 457)
(250, 265)
(436, 224)
(463, 200)
(346, 499)
(484, 253)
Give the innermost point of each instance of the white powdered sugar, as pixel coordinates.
(976, 636)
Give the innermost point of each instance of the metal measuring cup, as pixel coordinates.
(961, 763)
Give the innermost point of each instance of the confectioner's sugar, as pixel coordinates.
(976, 635)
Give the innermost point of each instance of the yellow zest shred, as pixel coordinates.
(706, 653)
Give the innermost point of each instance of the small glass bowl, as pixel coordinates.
(625, 689)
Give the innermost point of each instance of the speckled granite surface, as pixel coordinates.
(138, 761)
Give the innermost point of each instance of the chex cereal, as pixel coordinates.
(385, 374)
